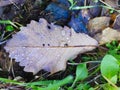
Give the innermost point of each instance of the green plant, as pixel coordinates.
(81, 73)
(8, 22)
(41, 85)
(9, 27)
(110, 66)
(74, 7)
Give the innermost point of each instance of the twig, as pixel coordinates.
(94, 80)
(11, 67)
(85, 2)
(110, 82)
(85, 62)
(105, 3)
(14, 4)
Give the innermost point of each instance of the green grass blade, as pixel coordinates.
(58, 84)
(11, 81)
(8, 22)
(82, 7)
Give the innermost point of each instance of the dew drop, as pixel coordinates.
(63, 33)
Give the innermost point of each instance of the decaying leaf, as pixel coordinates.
(108, 35)
(8, 2)
(116, 24)
(97, 24)
(112, 3)
(47, 46)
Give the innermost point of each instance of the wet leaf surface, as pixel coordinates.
(42, 46)
(46, 46)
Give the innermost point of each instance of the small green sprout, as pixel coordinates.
(9, 28)
(74, 7)
(72, 4)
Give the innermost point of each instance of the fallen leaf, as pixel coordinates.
(112, 3)
(116, 24)
(8, 2)
(107, 35)
(98, 24)
(46, 46)
(106, 70)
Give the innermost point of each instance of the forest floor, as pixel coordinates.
(96, 73)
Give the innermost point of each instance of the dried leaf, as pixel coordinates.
(116, 24)
(97, 24)
(47, 46)
(112, 3)
(108, 35)
(8, 2)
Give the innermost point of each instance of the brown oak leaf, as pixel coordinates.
(41, 45)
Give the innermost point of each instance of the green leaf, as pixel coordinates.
(9, 28)
(114, 79)
(109, 87)
(109, 66)
(71, 2)
(111, 11)
(40, 83)
(81, 73)
(91, 88)
(7, 22)
(12, 81)
(83, 86)
(57, 84)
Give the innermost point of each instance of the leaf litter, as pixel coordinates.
(41, 45)
(8, 2)
(108, 35)
(48, 48)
